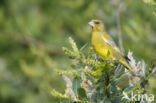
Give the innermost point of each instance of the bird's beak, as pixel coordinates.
(91, 23)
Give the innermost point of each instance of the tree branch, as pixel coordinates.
(28, 41)
(119, 29)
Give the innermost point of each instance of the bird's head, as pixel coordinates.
(97, 25)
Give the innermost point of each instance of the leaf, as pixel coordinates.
(122, 71)
(83, 47)
(107, 101)
(66, 101)
(108, 53)
(116, 81)
(59, 95)
(141, 80)
(143, 67)
(73, 44)
(128, 89)
(76, 84)
(150, 2)
(154, 71)
(151, 74)
(82, 93)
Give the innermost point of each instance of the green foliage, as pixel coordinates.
(98, 81)
(32, 33)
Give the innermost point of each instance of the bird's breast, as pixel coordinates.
(97, 42)
(100, 47)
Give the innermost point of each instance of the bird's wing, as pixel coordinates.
(107, 39)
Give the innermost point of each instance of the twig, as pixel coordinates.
(69, 87)
(28, 41)
(119, 29)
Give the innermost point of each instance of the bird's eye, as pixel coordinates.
(97, 22)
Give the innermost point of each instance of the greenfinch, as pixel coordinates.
(104, 45)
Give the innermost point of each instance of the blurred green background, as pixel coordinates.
(32, 33)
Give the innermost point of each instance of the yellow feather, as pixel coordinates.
(104, 45)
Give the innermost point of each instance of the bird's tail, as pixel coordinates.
(125, 64)
(127, 59)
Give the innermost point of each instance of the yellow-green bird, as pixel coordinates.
(104, 45)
